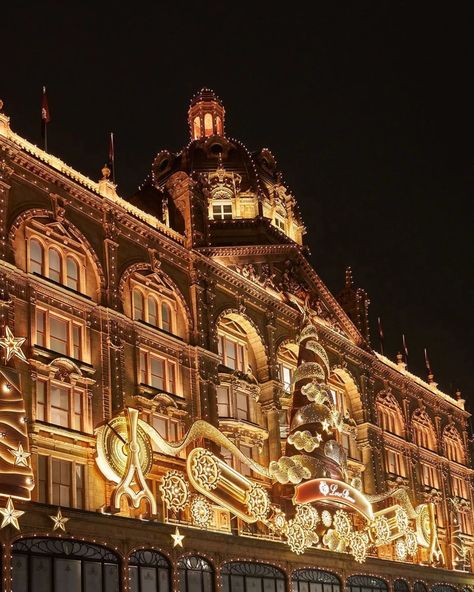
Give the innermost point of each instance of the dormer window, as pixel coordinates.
(222, 211)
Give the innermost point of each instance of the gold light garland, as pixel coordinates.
(258, 502)
(201, 511)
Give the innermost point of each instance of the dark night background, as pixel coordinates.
(368, 109)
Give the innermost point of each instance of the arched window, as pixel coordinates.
(423, 430)
(149, 571)
(443, 588)
(390, 413)
(195, 574)
(54, 259)
(366, 584)
(138, 305)
(400, 586)
(208, 125)
(72, 269)
(166, 323)
(314, 580)
(419, 587)
(36, 257)
(257, 577)
(219, 125)
(63, 565)
(152, 311)
(453, 444)
(197, 127)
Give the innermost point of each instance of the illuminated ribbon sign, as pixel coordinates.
(331, 491)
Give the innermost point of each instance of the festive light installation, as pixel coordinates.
(12, 346)
(10, 515)
(315, 464)
(59, 521)
(177, 538)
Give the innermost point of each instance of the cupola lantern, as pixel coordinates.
(206, 115)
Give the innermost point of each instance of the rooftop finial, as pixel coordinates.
(349, 278)
(105, 172)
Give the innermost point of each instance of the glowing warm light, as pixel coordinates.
(10, 515)
(59, 521)
(12, 345)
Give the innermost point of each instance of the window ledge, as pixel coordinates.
(60, 285)
(243, 427)
(54, 429)
(159, 329)
(53, 355)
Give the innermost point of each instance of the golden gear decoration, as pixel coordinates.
(334, 542)
(278, 520)
(342, 524)
(359, 544)
(411, 542)
(423, 525)
(296, 537)
(205, 470)
(381, 527)
(326, 518)
(258, 502)
(307, 516)
(402, 520)
(401, 551)
(112, 443)
(201, 511)
(174, 490)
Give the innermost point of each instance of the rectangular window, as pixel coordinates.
(395, 463)
(430, 476)
(41, 328)
(242, 406)
(60, 406)
(58, 338)
(222, 211)
(459, 487)
(58, 334)
(286, 375)
(223, 402)
(231, 354)
(159, 373)
(61, 482)
(40, 400)
(244, 469)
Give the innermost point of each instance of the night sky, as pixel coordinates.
(368, 110)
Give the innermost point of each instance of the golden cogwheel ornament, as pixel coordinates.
(174, 490)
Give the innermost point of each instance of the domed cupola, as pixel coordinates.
(206, 115)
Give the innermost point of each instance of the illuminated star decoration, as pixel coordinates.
(10, 515)
(59, 521)
(325, 423)
(12, 345)
(21, 456)
(177, 538)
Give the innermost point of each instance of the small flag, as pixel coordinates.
(112, 155)
(380, 334)
(405, 348)
(45, 118)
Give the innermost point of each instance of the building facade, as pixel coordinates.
(185, 406)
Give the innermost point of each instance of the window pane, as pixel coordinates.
(171, 377)
(42, 479)
(137, 305)
(152, 311)
(76, 342)
(242, 406)
(40, 323)
(60, 405)
(231, 354)
(161, 425)
(67, 575)
(58, 335)
(40, 400)
(19, 573)
(111, 578)
(223, 401)
(72, 274)
(157, 373)
(41, 574)
(61, 481)
(36, 256)
(79, 485)
(77, 417)
(133, 578)
(143, 371)
(166, 317)
(54, 265)
(92, 576)
(148, 579)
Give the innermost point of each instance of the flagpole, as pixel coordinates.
(112, 155)
(45, 118)
(380, 336)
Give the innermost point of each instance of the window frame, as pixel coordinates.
(72, 322)
(49, 493)
(147, 356)
(74, 392)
